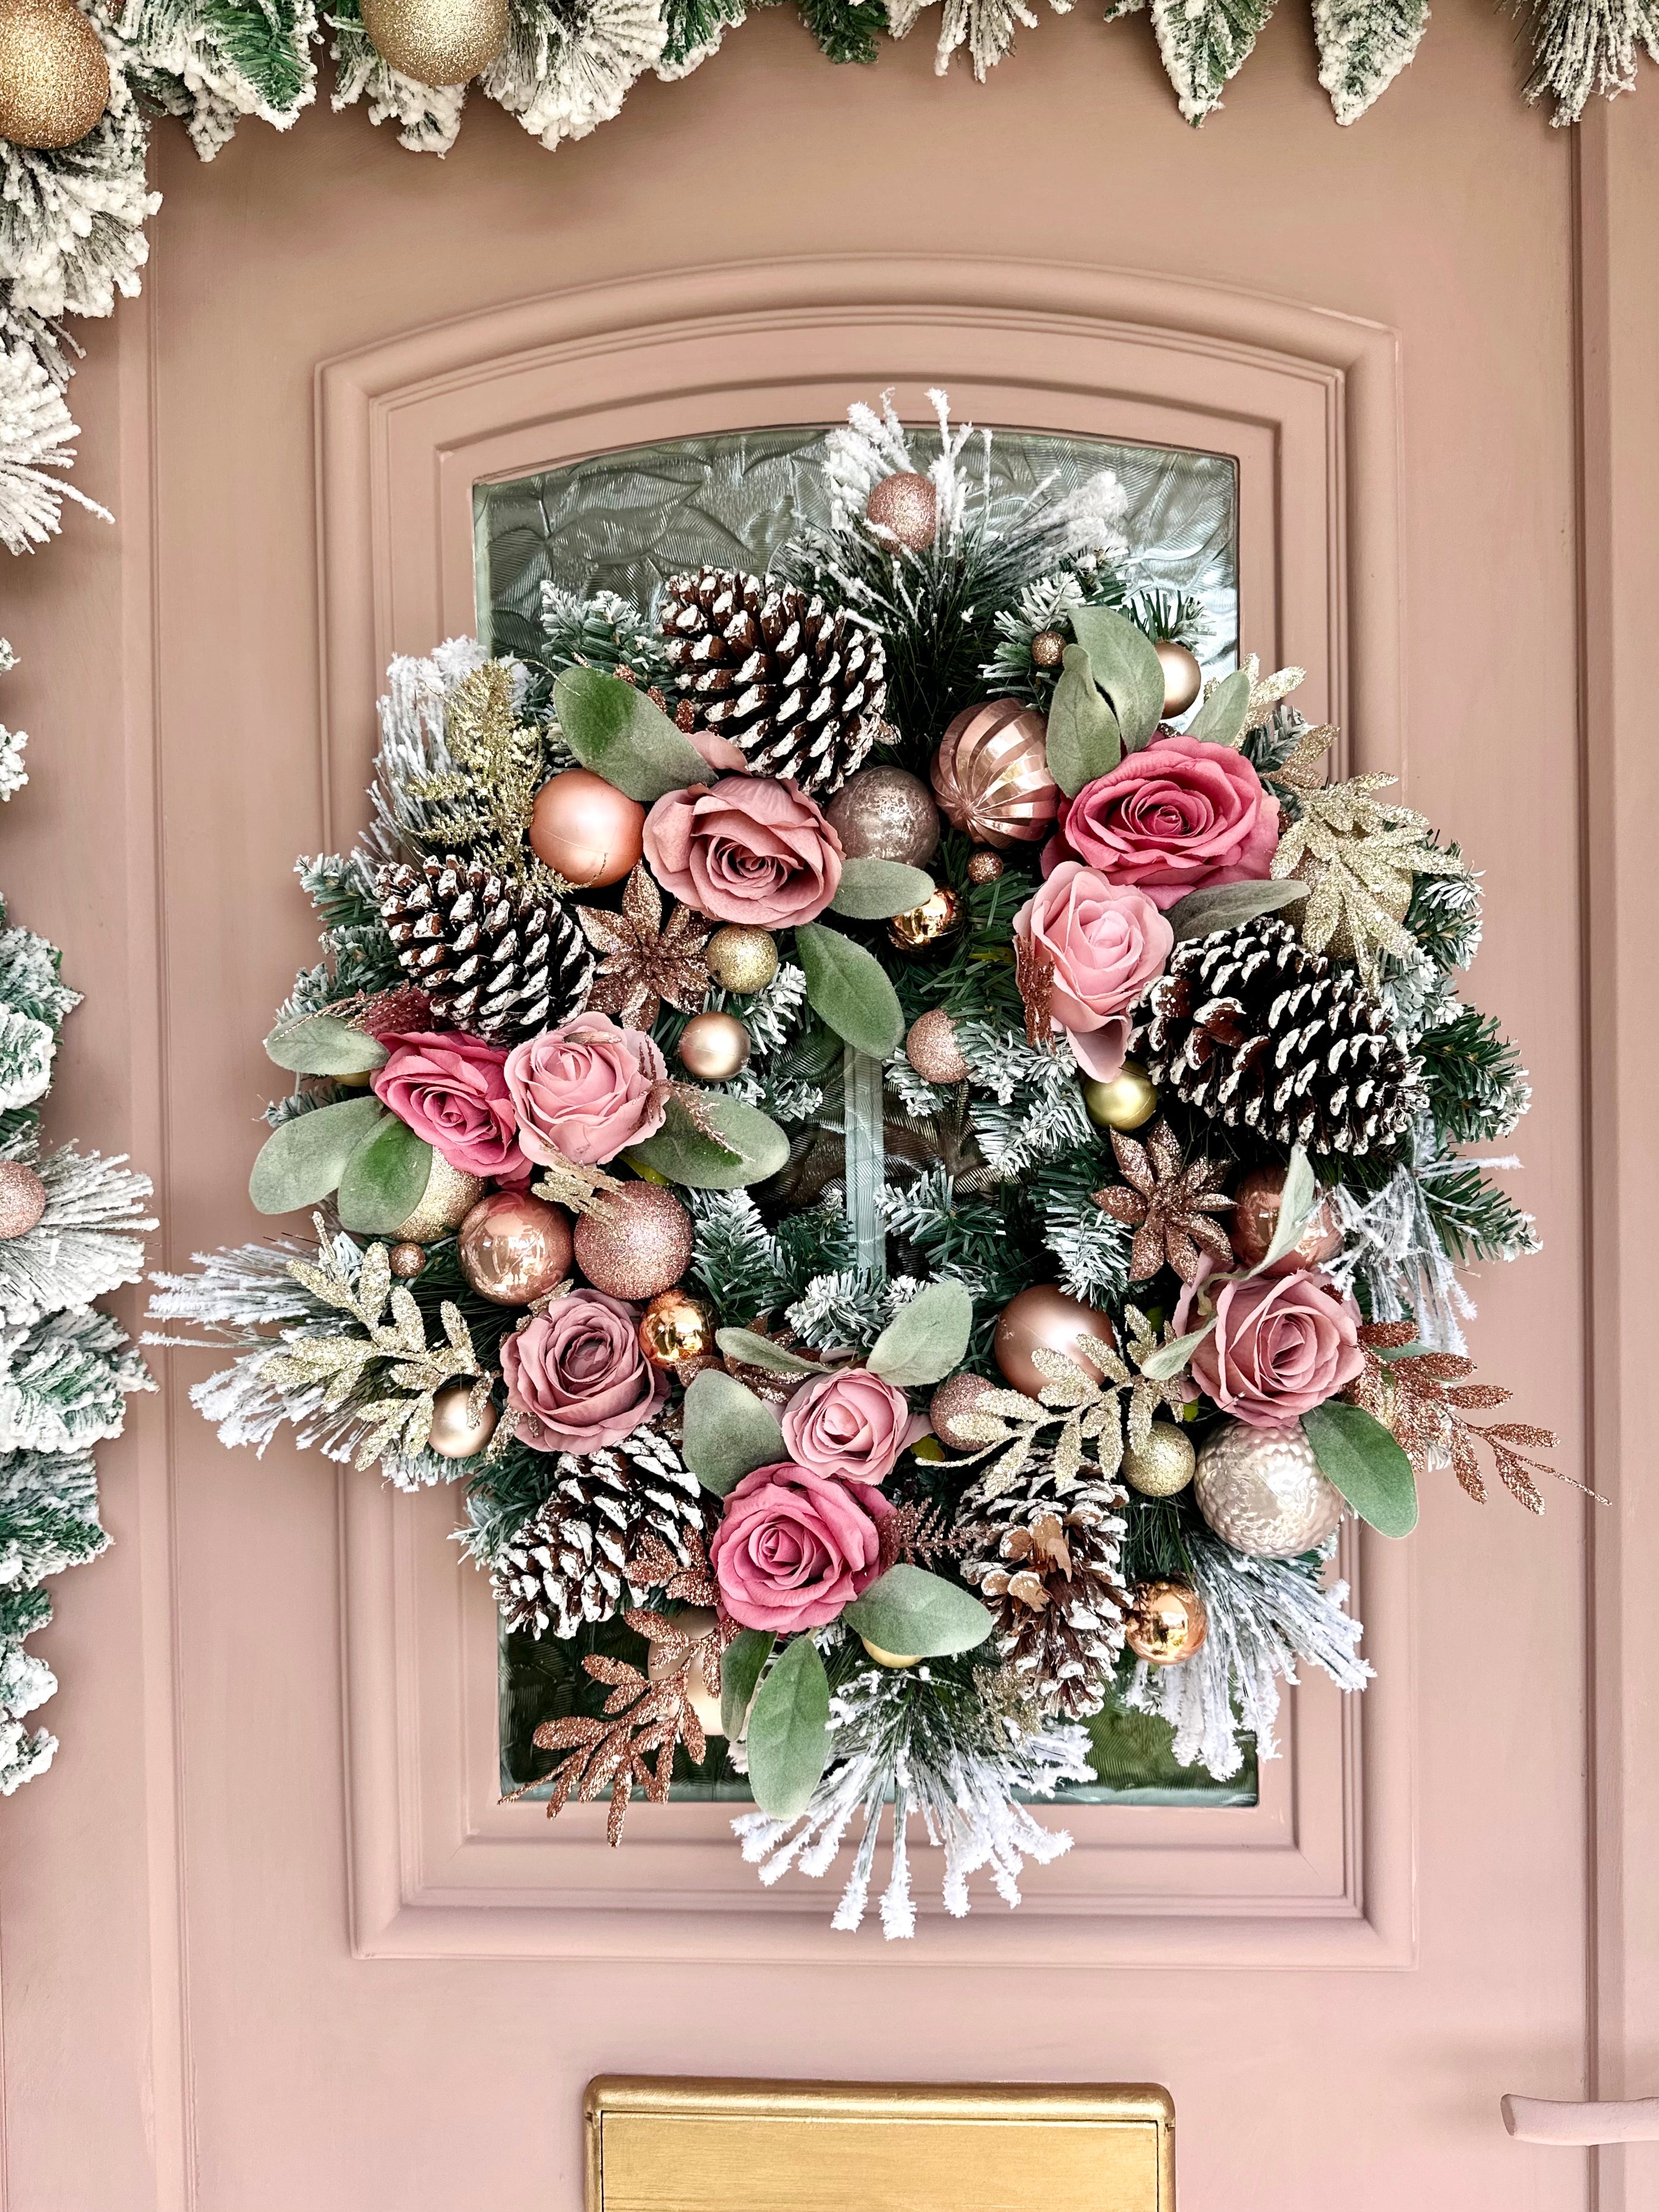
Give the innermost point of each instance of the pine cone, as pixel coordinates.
(569, 1562)
(495, 959)
(1250, 1029)
(1047, 1564)
(799, 688)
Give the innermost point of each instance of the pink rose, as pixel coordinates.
(850, 1426)
(1179, 814)
(749, 848)
(587, 1090)
(451, 1091)
(1281, 1343)
(576, 1376)
(794, 1547)
(1105, 944)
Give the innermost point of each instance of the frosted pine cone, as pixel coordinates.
(495, 959)
(1047, 1564)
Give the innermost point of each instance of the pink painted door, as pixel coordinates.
(269, 1938)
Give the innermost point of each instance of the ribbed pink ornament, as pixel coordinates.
(991, 774)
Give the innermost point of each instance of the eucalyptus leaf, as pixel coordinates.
(1083, 740)
(1220, 719)
(1296, 1201)
(615, 729)
(302, 1161)
(870, 891)
(384, 1180)
(1167, 1362)
(1360, 1457)
(918, 1615)
(789, 1731)
(1229, 906)
(751, 1351)
(746, 1655)
(848, 991)
(1125, 664)
(728, 1432)
(322, 1044)
(751, 1146)
(927, 1339)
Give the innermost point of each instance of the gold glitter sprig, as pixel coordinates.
(484, 806)
(1360, 859)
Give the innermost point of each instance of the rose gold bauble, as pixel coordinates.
(693, 1622)
(676, 1328)
(932, 924)
(22, 1199)
(714, 1046)
(637, 1243)
(956, 1395)
(1043, 1319)
(1048, 649)
(586, 829)
(885, 814)
(450, 1195)
(1168, 1623)
(513, 1248)
(931, 1048)
(907, 504)
(406, 1260)
(1261, 1490)
(436, 41)
(457, 1432)
(985, 867)
(1256, 1217)
(742, 959)
(991, 775)
(1123, 1101)
(54, 80)
(1184, 679)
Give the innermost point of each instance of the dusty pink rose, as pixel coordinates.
(1179, 814)
(576, 1376)
(586, 1090)
(1281, 1343)
(851, 1425)
(1105, 943)
(748, 848)
(794, 1547)
(450, 1090)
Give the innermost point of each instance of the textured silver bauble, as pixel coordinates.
(885, 814)
(1262, 1491)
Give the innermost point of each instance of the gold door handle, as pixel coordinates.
(1544, 2120)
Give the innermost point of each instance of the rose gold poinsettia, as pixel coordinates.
(1421, 1402)
(646, 961)
(1167, 1200)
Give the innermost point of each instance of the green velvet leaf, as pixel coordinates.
(740, 1671)
(870, 891)
(384, 1180)
(302, 1161)
(848, 991)
(1124, 663)
(1221, 718)
(789, 1731)
(1161, 1365)
(615, 729)
(1361, 1459)
(917, 1615)
(926, 1340)
(1296, 1201)
(1229, 906)
(751, 1351)
(1083, 740)
(751, 1146)
(322, 1044)
(729, 1432)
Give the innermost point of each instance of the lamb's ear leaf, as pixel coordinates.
(1298, 1197)
(1083, 740)
(751, 1351)
(751, 1146)
(1229, 906)
(322, 1044)
(873, 891)
(927, 1339)
(919, 1615)
(615, 729)
(746, 1655)
(384, 1180)
(1124, 662)
(848, 991)
(729, 1432)
(1360, 1457)
(789, 1731)
(1221, 718)
(301, 1161)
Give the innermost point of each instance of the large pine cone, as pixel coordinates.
(495, 959)
(798, 687)
(1047, 1563)
(1251, 1029)
(569, 1561)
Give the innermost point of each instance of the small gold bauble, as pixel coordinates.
(741, 959)
(1163, 1465)
(929, 926)
(1261, 1490)
(956, 1395)
(1043, 1319)
(449, 1196)
(54, 79)
(885, 814)
(1184, 679)
(586, 829)
(694, 1622)
(676, 1328)
(1167, 1623)
(636, 1243)
(889, 1658)
(457, 1432)
(22, 1199)
(513, 1248)
(907, 506)
(714, 1046)
(1256, 1217)
(406, 1260)
(984, 867)
(1048, 649)
(436, 42)
(1124, 1101)
(931, 1048)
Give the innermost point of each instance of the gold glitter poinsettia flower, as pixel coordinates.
(645, 961)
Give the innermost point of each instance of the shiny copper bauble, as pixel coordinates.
(1256, 1217)
(1168, 1623)
(513, 1248)
(931, 1048)
(991, 775)
(22, 1199)
(406, 1262)
(1123, 1101)
(1043, 1319)
(449, 1196)
(1261, 1490)
(907, 504)
(1184, 679)
(930, 925)
(742, 959)
(458, 1432)
(1048, 649)
(694, 1622)
(637, 1242)
(1163, 1465)
(586, 829)
(714, 1047)
(885, 814)
(436, 41)
(54, 79)
(676, 1328)
(956, 1395)
(985, 867)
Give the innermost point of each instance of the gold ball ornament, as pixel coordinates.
(885, 814)
(889, 1658)
(636, 1243)
(663, 1660)
(436, 41)
(457, 1430)
(1048, 649)
(1163, 1464)
(955, 1396)
(1261, 1490)
(585, 829)
(927, 928)
(1124, 1101)
(905, 505)
(1043, 1319)
(1167, 1623)
(54, 79)
(931, 1048)
(1254, 1217)
(715, 1047)
(742, 959)
(985, 867)
(991, 775)
(676, 1328)
(406, 1260)
(513, 1248)
(22, 1199)
(1184, 679)
(449, 1197)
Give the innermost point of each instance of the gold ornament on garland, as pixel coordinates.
(437, 42)
(1184, 679)
(895, 1659)
(984, 867)
(931, 925)
(407, 1262)
(636, 1243)
(54, 79)
(741, 959)
(1165, 1624)
(22, 1199)
(1161, 1466)
(676, 1328)
(514, 1248)
(904, 507)
(1047, 648)
(885, 814)
(464, 1417)
(714, 1047)
(1124, 1101)
(449, 1196)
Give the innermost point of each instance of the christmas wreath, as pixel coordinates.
(890, 1287)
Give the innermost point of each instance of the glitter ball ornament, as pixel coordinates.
(1162, 1466)
(406, 1260)
(985, 867)
(585, 829)
(907, 506)
(1048, 649)
(1256, 1218)
(885, 814)
(1166, 1623)
(714, 1046)
(1184, 679)
(436, 41)
(931, 1048)
(1261, 1490)
(931, 924)
(676, 1328)
(991, 775)
(449, 1196)
(458, 1431)
(636, 1243)
(513, 1248)
(1043, 1319)
(694, 1622)
(956, 1395)
(22, 1199)
(742, 959)
(54, 80)
(1124, 1101)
